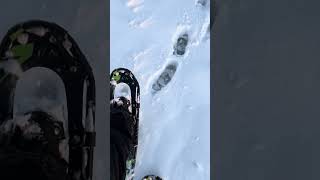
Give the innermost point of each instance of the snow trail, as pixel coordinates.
(174, 134)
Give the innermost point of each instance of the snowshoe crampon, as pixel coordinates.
(39, 44)
(124, 119)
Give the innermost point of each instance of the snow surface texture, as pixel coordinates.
(174, 129)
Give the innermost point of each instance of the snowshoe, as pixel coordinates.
(124, 121)
(151, 177)
(39, 44)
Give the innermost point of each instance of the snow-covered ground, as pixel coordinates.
(174, 133)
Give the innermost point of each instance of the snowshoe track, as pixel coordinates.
(165, 77)
(184, 40)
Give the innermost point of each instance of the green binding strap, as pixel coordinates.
(116, 76)
(22, 52)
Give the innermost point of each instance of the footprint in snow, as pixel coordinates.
(165, 77)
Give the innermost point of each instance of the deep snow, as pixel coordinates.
(174, 133)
